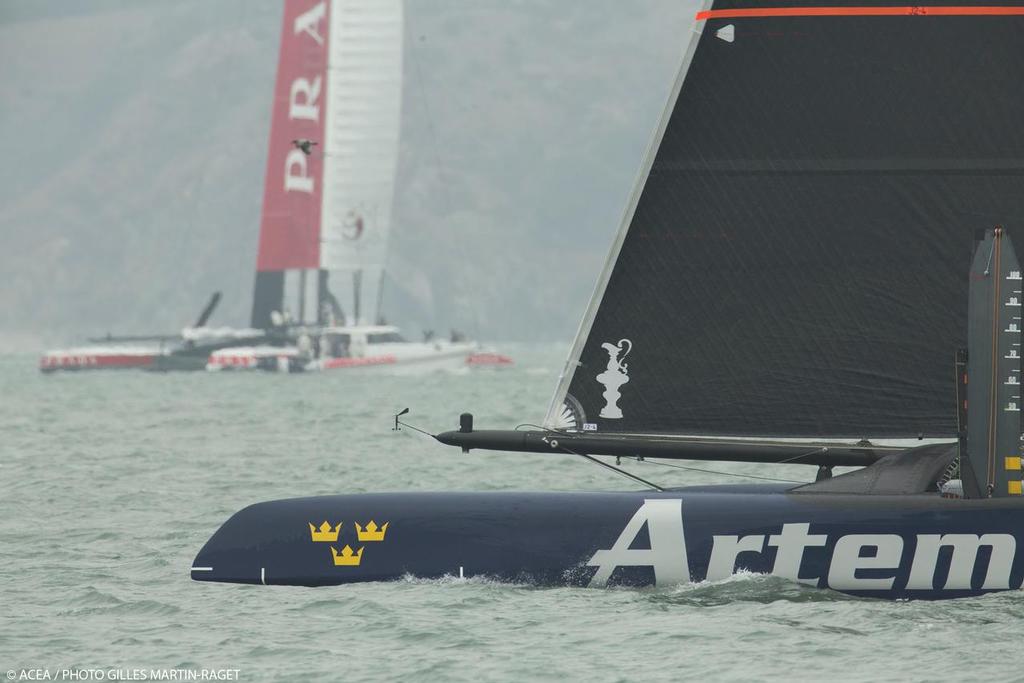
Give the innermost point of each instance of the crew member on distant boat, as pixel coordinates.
(305, 145)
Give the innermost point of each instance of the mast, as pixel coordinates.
(994, 449)
(357, 278)
(301, 313)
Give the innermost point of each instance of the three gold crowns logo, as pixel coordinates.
(347, 557)
(324, 534)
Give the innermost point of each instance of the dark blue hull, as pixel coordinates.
(882, 546)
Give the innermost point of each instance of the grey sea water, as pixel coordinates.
(110, 483)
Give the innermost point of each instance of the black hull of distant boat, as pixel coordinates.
(195, 357)
(180, 363)
(886, 546)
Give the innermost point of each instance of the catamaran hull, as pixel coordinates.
(98, 358)
(404, 356)
(489, 359)
(413, 359)
(892, 547)
(269, 358)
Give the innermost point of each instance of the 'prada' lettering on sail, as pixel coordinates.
(304, 102)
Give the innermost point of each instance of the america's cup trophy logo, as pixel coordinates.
(613, 377)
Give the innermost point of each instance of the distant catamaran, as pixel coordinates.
(328, 195)
(326, 215)
(792, 282)
(189, 349)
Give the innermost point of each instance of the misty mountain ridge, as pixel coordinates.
(138, 135)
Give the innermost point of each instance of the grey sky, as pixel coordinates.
(135, 137)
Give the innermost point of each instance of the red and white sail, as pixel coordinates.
(339, 82)
(290, 225)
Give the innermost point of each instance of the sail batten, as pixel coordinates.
(794, 261)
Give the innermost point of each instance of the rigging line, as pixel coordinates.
(680, 467)
(414, 428)
(820, 449)
(554, 444)
(959, 424)
(543, 429)
(870, 11)
(441, 171)
(729, 474)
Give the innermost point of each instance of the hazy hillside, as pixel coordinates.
(135, 134)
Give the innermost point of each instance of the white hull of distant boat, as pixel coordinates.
(263, 357)
(413, 355)
(161, 352)
(355, 347)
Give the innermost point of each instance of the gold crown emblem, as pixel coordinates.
(324, 534)
(347, 558)
(371, 532)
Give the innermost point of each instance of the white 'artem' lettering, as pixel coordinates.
(847, 559)
(667, 554)
(882, 554)
(965, 555)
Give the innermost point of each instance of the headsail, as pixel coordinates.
(794, 263)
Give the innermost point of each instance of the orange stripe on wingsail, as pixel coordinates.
(910, 11)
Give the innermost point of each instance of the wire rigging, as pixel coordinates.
(730, 474)
(680, 467)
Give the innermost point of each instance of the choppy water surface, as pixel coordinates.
(110, 483)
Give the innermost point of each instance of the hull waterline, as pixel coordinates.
(924, 547)
(99, 358)
(404, 356)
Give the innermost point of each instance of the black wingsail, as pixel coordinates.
(795, 263)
